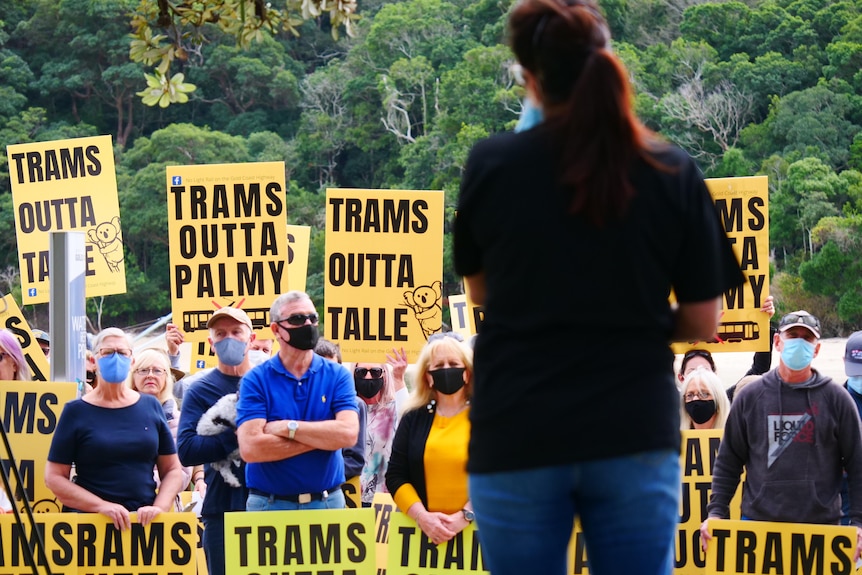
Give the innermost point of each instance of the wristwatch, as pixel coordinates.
(292, 426)
(469, 516)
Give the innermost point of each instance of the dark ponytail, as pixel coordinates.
(587, 100)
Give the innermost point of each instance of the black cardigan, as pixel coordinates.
(407, 460)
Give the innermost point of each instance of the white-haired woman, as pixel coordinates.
(703, 401)
(152, 375)
(114, 436)
(427, 473)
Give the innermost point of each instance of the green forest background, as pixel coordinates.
(758, 87)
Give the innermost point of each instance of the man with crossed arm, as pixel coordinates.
(295, 414)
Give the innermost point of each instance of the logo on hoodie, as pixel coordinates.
(785, 429)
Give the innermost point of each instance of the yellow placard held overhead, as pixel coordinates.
(30, 414)
(384, 266)
(227, 226)
(298, 243)
(331, 541)
(62, 186)
(743, 206)
(12, 319)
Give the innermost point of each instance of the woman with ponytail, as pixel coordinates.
(572, 234)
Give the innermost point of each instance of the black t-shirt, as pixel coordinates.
(573, 362)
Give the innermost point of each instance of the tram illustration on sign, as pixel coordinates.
(197, 320)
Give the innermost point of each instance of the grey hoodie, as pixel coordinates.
(794, 441)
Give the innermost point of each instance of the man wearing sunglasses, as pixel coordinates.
(230, 335)
(295, 414)
(793, 431)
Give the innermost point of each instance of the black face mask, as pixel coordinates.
(368, 388)
(700, 410)
(303, 337)
(91, 377)
(448, 380)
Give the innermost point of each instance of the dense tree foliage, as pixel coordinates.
(748, 87)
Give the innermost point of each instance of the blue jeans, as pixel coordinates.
(261, 503)
(628, 507)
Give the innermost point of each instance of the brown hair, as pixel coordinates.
(587, 100)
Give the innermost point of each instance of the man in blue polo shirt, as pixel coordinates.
(295, 414)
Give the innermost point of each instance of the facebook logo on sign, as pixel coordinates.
(31, 292)
(201, 364)
(176, 180)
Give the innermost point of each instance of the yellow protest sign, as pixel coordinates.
(767, 548)
(458, 315)
(12, 319)
(61, 186)
(352, 497)
(466, 316)
(30, 414)
(697, 456)
(227, 227)
(85, 543)
(329, 541)
(743, 206)
(384, 269)
(412, 553)
(384, 507)
(202, 356)
(298, 243)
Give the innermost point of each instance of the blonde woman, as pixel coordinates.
(152, 375)
(427, 472)
(703, 401)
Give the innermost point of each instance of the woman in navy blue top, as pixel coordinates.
(114, 436)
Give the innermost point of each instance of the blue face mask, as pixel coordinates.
(531, 116)
(230, 351)
(854, 382)
(797, 353)
(114, 368)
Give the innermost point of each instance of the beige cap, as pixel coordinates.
(231, 312)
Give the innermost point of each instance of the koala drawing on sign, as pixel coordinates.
(108, 236)
(425, 303)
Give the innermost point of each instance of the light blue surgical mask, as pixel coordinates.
(531, 116)
(114, 368)
(230, 351)
(797, 353)
(854, 382)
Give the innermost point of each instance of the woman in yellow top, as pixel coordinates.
(427, 472)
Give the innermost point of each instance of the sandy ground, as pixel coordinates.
(732, 366)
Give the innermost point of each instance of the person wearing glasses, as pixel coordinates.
(230, 335)
(427, 473)
(13, 365)
(114, 436)
(794, 433)
(619, 218)
(152, 376)
(703, 402)
(295, 414)
(381, 387)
